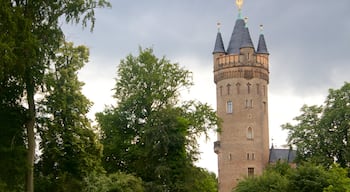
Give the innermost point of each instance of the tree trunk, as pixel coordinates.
(30, 134)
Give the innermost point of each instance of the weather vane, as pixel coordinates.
(239, 4)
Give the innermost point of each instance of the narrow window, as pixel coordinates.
(253, 156)
(247, 156)
(250, 133)
(249, 103)
(229, 107)
(264, 90)
(248, 86)
(238, 88)
(220, 90)
(230, 157)
(258, 89)
(228, 88)
(248, 56)
(264, 106)
(250, 171)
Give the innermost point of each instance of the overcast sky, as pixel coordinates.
(308, 41)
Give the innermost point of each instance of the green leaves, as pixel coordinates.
(322, 133)
(70, 147)
(304, 178)
(150, 133)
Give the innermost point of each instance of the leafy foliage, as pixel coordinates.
(70, 147)
(116, 182)
(322, 132)
(305, 178)
(29, 36)
(150, 133)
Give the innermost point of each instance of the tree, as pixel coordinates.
(306, 135)
(32, 34)
(116, 182)
(12, 146)
(70, 148)
(306, 177)
(322, 133)
(273, 179)
(149, 133)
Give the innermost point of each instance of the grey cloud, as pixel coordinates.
(309, 41)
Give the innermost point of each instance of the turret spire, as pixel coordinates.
(219, 44)
(262, 48)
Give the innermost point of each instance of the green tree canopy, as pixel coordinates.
(70, 148)
(30, 34)
(305, 178)
(322, 133)
(150, 132)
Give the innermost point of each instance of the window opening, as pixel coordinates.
(264, 90)
(250, 133)
(228, 88)
(248, 86)
(229, 107)
(250, 171)
(238, 88)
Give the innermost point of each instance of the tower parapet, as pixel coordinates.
(240, 66)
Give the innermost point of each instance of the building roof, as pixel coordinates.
(240, 37)
(219, 44)
(287, 155)
(262, 45)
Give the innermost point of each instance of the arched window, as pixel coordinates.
(249, 133)
(248, 86)
(228, 88)
(238, 86)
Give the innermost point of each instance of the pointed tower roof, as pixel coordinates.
(246, 39)
(219, 44)
(240, 37)
(262, 44)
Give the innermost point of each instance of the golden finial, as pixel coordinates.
(261, 29)
(218, 25)
(239, 4)
(246, 20)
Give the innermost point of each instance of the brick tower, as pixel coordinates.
(241, 75)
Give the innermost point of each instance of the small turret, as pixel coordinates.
(219, 44)
(262, 48)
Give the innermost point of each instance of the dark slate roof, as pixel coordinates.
(240, 38)
(262, 45)
(219, 45)
(287, 155)
(246, 41)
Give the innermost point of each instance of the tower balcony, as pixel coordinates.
(217, 147)
(230, 61)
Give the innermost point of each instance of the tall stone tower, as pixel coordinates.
(241, 75)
